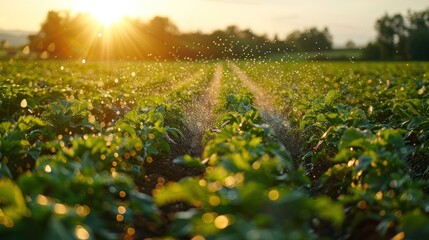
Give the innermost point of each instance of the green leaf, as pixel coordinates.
(57, 230)
(364, 162)
(12, 203)
(330, 97)
(151, 149)
(33, 153)
(187, 190)
(329, 210)
(353, 137)
(4, 171)
(417, 122)
(415, 225)
(189, 161)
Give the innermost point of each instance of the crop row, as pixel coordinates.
(249, 188)
(90, 151)
(364, 139)
(69, 169)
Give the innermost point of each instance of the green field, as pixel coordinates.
(329, 55)
(214, 150)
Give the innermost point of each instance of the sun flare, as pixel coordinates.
(107, 12)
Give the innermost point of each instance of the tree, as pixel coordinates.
(62, 36)
(418, 43)
(350, 44)
(163, 34)
(293, 38)
(371, 52)
(4, 43)
(398, 40)
(51, 38)
(391, 36)
(311, 39)
(80, 36)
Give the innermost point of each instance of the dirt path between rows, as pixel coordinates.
(199, 113)
(266, 105)
(198, 117)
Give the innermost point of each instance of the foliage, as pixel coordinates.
(60, 38)
(400, 39)
(311, 40)
(244, 162)
(90, 152)
(362, 140)
(76, 165)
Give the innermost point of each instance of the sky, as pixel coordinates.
(346, 19)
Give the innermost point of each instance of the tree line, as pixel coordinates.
(400, 37)
(63, 36)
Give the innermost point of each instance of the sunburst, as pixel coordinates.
(107, 12)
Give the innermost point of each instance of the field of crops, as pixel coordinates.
(214, 150)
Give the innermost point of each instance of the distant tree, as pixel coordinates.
(326, 39)
(251, 45)
(400, 39)
(4, 43)
(229, 43)
(371, 52)
(51, 38)
(311, 39)
(279, 46)
(63, 36)
(82, 37)
(391, 36)
(293, 39)
(350, 44)
(232, 30)
(418, 42)
(163, 34)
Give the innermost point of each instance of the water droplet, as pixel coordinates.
(60, 208)
(44, 55)
(131, 231)
(273, 195)
(399, 236)
(48, 169)
(221, 222)
(26, 50)
(119, 218)
(82, 210)
(421, 90)
(198, 237)
(42, 200)
(208, 217)
(122, 194)
(81, 233)
(24, 103)
(91, 119)
(214, 200)
(121, 209)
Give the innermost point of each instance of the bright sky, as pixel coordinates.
(346, 19)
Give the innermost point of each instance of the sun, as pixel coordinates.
(107, 12)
